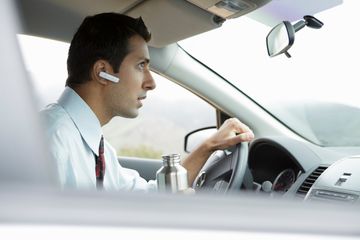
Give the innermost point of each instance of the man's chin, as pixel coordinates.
(129, 115)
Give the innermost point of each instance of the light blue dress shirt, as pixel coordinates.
(74, 133)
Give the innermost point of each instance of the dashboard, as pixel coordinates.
(302, 170)
(272, 167)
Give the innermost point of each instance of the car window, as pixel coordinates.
(168, 114)
(45, 62)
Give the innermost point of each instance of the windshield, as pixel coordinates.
(314, 92)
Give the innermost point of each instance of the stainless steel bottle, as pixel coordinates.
(172, 177)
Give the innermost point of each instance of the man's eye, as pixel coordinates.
(142, 65)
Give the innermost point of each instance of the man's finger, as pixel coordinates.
(238, 126)
(244, 137)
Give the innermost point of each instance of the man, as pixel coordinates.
(108, 76)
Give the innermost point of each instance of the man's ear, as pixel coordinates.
(101, 66)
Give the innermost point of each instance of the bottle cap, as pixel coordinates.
(173, 157)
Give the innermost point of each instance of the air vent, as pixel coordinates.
(309, 181)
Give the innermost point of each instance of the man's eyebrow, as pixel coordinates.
(147, 60)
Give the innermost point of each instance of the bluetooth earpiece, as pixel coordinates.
(109, 77)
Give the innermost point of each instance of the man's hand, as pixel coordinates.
(230, 133)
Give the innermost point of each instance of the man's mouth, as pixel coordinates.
(140, 99)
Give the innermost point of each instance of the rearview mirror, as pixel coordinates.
(282, 36)
(280, 39)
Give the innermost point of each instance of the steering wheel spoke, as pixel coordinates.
(224, 171)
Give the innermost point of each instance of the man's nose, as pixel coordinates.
(149, 83)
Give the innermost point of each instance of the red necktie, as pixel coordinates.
(100, 165)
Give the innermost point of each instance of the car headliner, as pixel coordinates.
(63, 16)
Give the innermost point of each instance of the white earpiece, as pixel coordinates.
(109, 77)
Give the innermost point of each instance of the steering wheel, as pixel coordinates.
(224, 170)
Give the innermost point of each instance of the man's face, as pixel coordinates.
(125, 98)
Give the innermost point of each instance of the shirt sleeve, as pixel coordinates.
(137, 183)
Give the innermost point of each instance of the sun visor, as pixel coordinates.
(229, 8)
(172, 20)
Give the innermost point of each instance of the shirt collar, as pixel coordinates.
(84, 118)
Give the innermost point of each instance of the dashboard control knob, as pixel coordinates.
(266, 186)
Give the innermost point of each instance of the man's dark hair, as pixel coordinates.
(103, 36)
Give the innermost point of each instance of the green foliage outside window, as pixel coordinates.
(143, 151)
